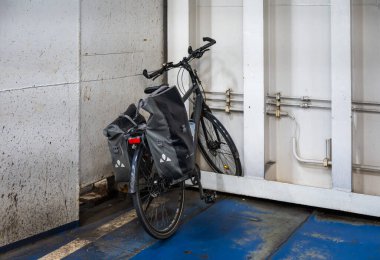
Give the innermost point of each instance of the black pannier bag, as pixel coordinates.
(168, 134)
(117, 142)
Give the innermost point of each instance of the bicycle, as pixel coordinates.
(159, 203)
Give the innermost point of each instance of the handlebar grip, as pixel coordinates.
(154, 74)
(210, 40)
(146, 75)
(210, 43)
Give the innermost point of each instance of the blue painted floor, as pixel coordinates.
(328, 237)
(229, 223)
(232, 228)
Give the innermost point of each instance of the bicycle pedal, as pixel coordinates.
(209, 198)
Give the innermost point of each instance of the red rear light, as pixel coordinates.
(134, 140)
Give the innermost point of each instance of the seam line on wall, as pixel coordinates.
(68, 83)
(110, 53)
(79, 102)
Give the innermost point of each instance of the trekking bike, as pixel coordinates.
(159, 204)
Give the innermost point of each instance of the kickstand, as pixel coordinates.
(207, 195)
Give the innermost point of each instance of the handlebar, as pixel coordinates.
(210, 43)
(198, 53)
(155, 73)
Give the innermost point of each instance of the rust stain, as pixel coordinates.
(86, 94)
(38, 107)
(13, 197)
(11, 220)
(326, 217)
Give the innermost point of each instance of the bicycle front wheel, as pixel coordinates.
(217, 146)
(158, 204)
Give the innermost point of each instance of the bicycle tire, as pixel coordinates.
(209, 148)
(153, 194)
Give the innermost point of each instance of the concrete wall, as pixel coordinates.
(67, 68)
(39, 116)
(118, 40)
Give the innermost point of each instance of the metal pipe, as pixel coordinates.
(325, 162)
(328, 149)
(224, 100)
(302, 105)
(306, 105)
(273, 113)
(366, 168)
(365, 103)
(328, 162)
(303, 98)
(224, 109)
(306, 98)
(223, 93)
(365, 110)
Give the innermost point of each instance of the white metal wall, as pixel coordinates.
(222, 67)
(365, 86)
(318, 48)
(298, 53)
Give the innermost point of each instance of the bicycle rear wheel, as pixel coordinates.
(158, 204)
(217, 146)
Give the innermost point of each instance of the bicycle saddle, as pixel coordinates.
(149, 90)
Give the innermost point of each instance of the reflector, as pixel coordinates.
(134, 140)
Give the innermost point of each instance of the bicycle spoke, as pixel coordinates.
(216, 148)
(160, 203)
(149, 200)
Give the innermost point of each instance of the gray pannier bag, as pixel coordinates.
(116, 132)
(168, 134)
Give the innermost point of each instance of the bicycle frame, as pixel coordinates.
(160, 217)
(198, 108)
(199, 104)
